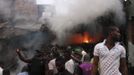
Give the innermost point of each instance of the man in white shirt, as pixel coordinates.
(75, 59)
(1, 68)
(70, 66)
(1, 71)
(52, 67)
(109, 55)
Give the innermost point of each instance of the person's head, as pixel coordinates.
(67, 54)
(1, 64)
(39, 53)
(86, 57)
(113, 32)
(60, 63)
(56, 54)
(77, 53)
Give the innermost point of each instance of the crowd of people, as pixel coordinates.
(66, 62)
(109, 59)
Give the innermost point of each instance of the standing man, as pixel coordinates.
(36, 65)
(110, 55)
(52, 64)
(3, 71)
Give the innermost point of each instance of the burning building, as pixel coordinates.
(72, 23)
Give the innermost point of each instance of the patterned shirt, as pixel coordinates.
(109, 60)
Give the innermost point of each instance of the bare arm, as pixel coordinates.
(123, 66)
(76, 59)
(21, 57)
(95, 65)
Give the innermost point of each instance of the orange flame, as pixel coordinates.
(87, 38)
(82, 38)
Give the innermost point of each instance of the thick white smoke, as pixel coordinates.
(70, 13)
(22, 13)
(20, 30)
(26, 14)
(5, 7)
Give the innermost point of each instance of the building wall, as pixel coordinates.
(25, 10)
(131, 11)
(131, 42)
(131, 34)
(5, 8)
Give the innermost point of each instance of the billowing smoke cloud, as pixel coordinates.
(5, 8)
(21, 13)
(71, 13)
(33, 40)
(20, 31)
(26, 14)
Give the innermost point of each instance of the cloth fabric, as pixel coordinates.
(52, 65)
(70, 66)
(109, 60)
(86, 68)
(36, 67)
(23, 73)
(1, 71)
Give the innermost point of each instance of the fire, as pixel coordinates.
(81, 38)
(86, 38)
(85, 41)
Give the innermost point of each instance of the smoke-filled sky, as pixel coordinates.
(44, 1)
(70, 13)
(5, 8)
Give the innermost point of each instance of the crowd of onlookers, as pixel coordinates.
(56, 61)
(67, 61)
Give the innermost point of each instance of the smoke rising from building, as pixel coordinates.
(70, 14)
(19, 31)
(5, 7)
